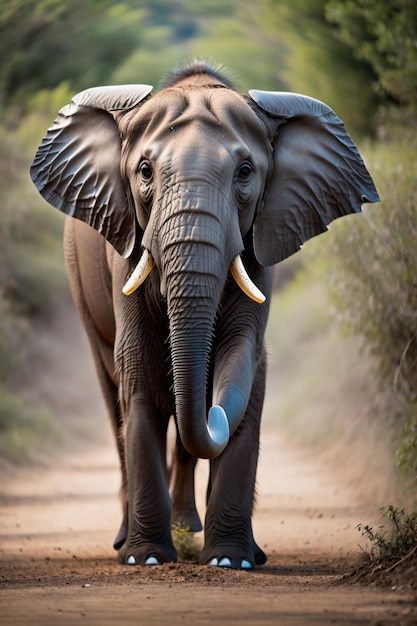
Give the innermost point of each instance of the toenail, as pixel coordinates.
(151, 560)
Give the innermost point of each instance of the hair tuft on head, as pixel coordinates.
(194, 68)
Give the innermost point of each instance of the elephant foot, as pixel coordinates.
(151, 560)
(226, 562)
(233, 555)
(147, 554)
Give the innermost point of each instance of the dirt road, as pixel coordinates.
(58, 567)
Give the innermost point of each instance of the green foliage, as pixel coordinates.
(29, 235)
(385, 35)
(186, 545)
(407, 445)
(233, 42)
(52, 48)
(31, 270)
(23, 431)
(396, 539)
(147, 64)
(227, 34)
(373, 279)
(322, 391)
(375, 258)
(268, 44)
(48, 41)
(14, 336)
(318, 64)
(41, 109)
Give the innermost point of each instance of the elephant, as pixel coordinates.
(179, 203)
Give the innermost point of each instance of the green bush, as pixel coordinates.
(407, 449)
(14, 336)
(383, 34)
(374, 279)
(31, 272)
(395, 539)
(24, 432)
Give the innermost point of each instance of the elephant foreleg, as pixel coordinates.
(148, 540)
(229, 538)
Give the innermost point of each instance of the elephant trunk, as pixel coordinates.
(195, 274)
(194, 262)
(204, 436)
(193, 248)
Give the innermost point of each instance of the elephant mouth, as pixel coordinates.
(237, 270)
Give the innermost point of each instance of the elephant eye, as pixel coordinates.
(146, 171)
(244, 171)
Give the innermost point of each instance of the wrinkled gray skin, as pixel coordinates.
(195, 174)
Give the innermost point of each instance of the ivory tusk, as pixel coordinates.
(242, 279)
(140, 273)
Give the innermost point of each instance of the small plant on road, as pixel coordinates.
(396, 540)
(186, 545)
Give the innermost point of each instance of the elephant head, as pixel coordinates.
(195, 176)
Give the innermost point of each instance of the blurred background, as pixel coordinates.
(343, 328)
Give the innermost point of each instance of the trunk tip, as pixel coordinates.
(218, 427)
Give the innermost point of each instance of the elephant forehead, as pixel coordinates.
(199, 110)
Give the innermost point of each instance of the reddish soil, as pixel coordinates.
(57, 524)
(58, 567)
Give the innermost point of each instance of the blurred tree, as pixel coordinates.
(242, 45)
(268, 43)
(385, 35)
(44, 42)
(371, 271)
(230, 34)
(319, 64)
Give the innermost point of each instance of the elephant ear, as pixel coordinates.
(318, 175)
(77, 166)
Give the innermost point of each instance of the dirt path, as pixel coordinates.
(57, 565)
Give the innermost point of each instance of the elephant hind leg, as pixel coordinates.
(111, 397)
(184, 510)
(149, 539)
(87, 267)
